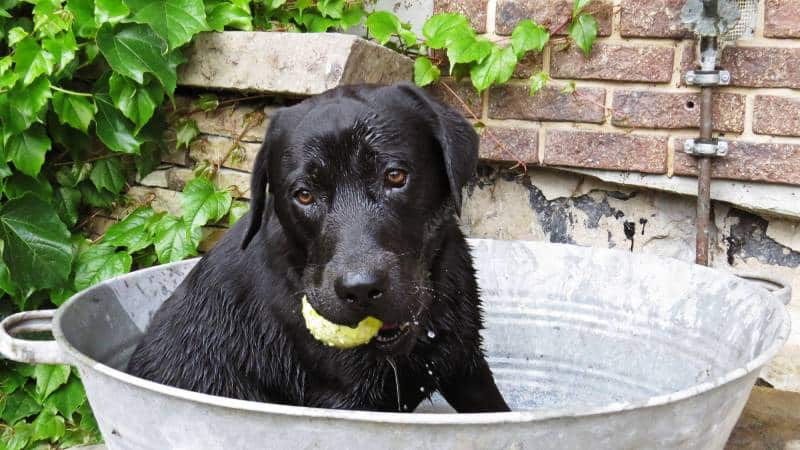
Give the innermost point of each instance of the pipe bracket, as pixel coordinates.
(701, 147)
(708, 78)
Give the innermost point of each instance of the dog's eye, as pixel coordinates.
(396, 178)
(304, 196)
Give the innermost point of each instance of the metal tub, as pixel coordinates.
(593, 349)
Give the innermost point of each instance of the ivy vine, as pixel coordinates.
(86, 96)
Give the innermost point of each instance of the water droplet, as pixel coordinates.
(422, 388)
(431, 334)
(416, 323)
(405, 407)
(430, 372)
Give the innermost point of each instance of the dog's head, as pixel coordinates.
(362, 179)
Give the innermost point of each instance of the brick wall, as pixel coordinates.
(631, 110)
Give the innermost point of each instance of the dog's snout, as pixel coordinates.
(361, 287)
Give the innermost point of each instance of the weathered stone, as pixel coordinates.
(513, 102)
(610, 151)
(776, 115)
(652, 18)
(232, 119)
(156, 178)
(209, 238)
(615, 62)
(237, 182)
(772, 163)
(652, 109)
(762, 66)
(461, 96)
(553, 14)
(786, 233)
(474, 10)
(160, 199)
(782, 18)
(512, 144)
(289, 63)
(689, 59)
(769, 421)
(214, 149)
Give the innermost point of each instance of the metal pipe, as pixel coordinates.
(708, 47)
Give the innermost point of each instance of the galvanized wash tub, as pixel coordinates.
(594, 349)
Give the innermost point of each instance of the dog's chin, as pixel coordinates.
(395, 339)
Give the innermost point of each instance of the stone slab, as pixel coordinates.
(297, 64)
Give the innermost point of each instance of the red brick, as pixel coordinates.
(776, 115)
(609, 151)
(689, 59)
(510, 144)
(514, 102)
(474, 10)
(550, 13)
(529, 65)
(464, 92)
(652, 18)
(772, 163)
(762, 66)
(647, 109)
(782, 18)
(615, 62)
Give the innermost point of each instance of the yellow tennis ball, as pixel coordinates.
(339, 336)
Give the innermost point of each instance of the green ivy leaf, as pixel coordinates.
(176, 21)
(353, 15)
(149, 158)
(94, 197)
(315, 23)
(409, 37)
(110, 11)
(15, 35)
(20, 108)
(238, 209)
(133, 50)
(63, 47)
(175, 239)
(568, 88)
(382, 25)
(113, 128)
(108, 174)
(135, 231)
(99, 262)
(464, 48)
(583, 30)
(578, 6)
(26, 150)
(203, 203)
(67, 202)
(8, 286)
(19, 405)
(186, 132)
(137, 102)
(37, 247)
(67, 399)
(71, 175)
(425, 72)
(331, 8)
(527, 36)
(18, 185)
(206, 102)
(18, 437)
(538, 81)
(495, 69)
(31, 60)
(47, 18)
(223, 14)
(49, 377)
(82, 11)
(439, 28)
(48, 426)
(74, 110)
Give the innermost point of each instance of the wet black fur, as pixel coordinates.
(233, 328)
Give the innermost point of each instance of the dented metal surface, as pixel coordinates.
(592, 349)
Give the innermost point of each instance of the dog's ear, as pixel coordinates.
(259, 179)
(456, 137)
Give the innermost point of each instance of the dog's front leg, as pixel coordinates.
(473, 390)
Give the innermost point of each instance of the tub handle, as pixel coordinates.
(27, 351)
(779, 287)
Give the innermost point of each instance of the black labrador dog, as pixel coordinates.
(364, 189)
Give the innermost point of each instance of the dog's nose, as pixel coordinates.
(361, 287)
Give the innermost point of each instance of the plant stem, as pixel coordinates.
(67, 91)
